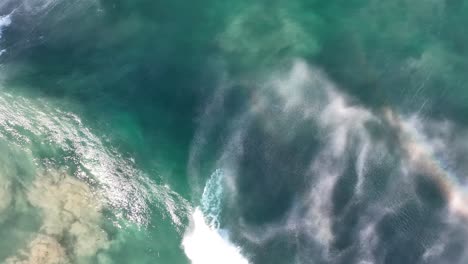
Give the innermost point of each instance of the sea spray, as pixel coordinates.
(5, 21)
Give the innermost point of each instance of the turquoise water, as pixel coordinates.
(150, 131)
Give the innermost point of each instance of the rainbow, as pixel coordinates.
(420, 157)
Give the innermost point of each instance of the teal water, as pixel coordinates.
(138, 131)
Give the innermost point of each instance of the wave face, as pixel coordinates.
(244, 132)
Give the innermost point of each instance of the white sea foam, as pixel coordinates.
(5, 21)
(71, 205)
(123, 187)
(203, 244)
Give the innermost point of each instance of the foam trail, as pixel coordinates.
(421, 158)
(203, 243)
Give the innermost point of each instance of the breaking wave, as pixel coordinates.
(204, 241)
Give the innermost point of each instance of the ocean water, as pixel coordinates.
(237, 132)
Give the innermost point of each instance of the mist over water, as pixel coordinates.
(233, 132)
